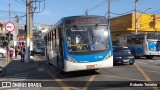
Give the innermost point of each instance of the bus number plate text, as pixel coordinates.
(90, 66)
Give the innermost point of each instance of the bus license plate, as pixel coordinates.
(90, 66)
(125, 60)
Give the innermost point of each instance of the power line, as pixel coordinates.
(97, 5)
(11, 11)
(19, 2)
(40, 10)
(119, 13)
(156, 11)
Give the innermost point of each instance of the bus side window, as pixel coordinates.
(57, 39)
(132, 41)
(138, 40)
(129, 41)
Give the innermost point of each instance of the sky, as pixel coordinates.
(54, 10)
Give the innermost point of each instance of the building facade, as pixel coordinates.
(2, 35)
(126, 24)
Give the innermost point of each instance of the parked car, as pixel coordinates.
(121, 54)
(2, 52)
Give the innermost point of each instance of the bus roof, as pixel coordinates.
(82, 16)
(70, 17)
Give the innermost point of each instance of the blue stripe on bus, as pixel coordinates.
(154, 45)
(89, 58)
(86, 58)
(137, 50)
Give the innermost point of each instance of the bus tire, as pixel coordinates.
(1, 55)
(131, 63)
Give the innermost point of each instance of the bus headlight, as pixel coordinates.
(71, 59)
(108, 56)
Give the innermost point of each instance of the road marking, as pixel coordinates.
(120, 77)
(89, 82)
(126, 69)
(146, 77)
(59, 81)
(138, 70)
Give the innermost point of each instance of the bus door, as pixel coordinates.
(59, 48)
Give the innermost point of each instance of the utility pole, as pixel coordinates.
(16, 30)
(136, 21)
(29, 28)
(7, 50)
(9, 11)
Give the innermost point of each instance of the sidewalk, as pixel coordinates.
(16, 66)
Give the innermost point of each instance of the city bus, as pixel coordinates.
(141, 44)
(79, 43)
(39, 46)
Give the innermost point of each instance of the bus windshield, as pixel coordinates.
(87, 38)
(153, 36)
(40, 44)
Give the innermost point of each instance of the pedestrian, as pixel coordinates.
(11, 52)
(23, 54)
(16, 51)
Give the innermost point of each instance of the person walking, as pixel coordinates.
(23, 54)
(11, 52)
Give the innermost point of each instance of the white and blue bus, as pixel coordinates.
(79, 43)
(39, 46)
(141, 44)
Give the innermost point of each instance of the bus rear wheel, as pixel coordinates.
(149, 57)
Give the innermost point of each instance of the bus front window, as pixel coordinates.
(40, 45)
(153, 36)
(89, 38)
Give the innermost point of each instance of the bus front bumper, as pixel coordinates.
(70, 66)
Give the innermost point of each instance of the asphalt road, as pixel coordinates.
(119, 77)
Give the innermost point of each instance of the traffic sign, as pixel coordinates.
(9, 26)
